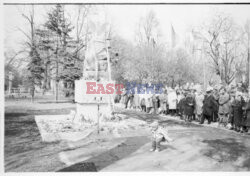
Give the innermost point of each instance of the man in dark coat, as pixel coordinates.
(143, 105)
(216, 97)
(182, 105)
(247, 114)
(237, 112)
(189, 106)
(209, 106)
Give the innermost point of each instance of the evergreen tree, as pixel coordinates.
(36, 69)
(45, 50)
(60, 27)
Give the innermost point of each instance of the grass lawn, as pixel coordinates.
(23, 148)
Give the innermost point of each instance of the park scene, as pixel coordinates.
(121, 88)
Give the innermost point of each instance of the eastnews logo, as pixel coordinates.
(131, 88)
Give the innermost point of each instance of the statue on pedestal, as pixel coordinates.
(97, 69)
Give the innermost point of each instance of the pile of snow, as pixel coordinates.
(63, 127)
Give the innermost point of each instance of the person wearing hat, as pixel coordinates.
(209, 106)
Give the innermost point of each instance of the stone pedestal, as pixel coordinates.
(89, 112)
(87, 104)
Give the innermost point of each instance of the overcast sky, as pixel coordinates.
(125, 18)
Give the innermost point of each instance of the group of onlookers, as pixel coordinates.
(230, 107)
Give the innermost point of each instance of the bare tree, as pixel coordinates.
(147, 29)
(247, 45)
(81, 32)
(34, 66)
(149, 49)
(11, 57)
(221, 41)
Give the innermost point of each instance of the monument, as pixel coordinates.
(97, 69)
(94, 111)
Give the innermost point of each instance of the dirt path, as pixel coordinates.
(196, 148)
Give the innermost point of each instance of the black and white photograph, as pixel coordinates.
(125, 86)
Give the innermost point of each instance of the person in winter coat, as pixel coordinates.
(143, 103)
(209, 106)
(131, 101)
(237, 112)
(159, 134)
(230, 119)
(125, 99)
(247, 113)
(182, 104)
(189, 107)
(216, 95)
(199, 98)
(224, 107)
(172, 101)
(163, 102)
(149, 102)
(155, 103)
(179, 97)
(137, 101)
(193, 93)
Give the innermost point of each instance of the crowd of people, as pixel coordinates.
(229, 106)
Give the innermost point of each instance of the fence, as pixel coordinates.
(18, 93)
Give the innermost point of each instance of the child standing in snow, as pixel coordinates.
(159, 134)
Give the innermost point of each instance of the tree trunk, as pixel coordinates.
(32, 90)
(45, 79)
(57, 80)
(56, 90)
(248, 69)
